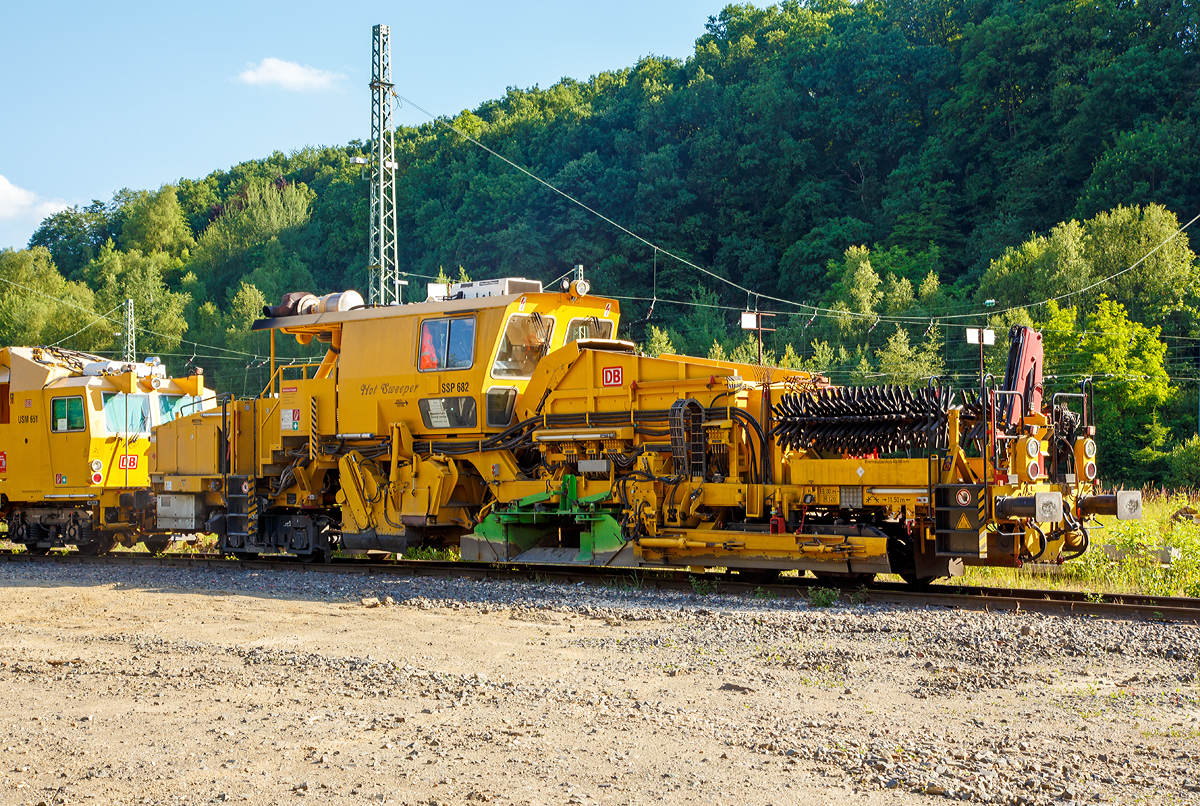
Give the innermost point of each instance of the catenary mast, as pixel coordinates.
(383, 274)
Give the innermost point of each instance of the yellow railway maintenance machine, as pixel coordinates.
(509, 420)
(76, 442)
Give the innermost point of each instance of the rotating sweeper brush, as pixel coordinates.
(864, 419)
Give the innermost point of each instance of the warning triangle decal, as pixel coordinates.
(964, 523)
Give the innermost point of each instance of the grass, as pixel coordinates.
(431, 553)
(1138, 571)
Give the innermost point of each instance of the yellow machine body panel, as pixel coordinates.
(77, 431)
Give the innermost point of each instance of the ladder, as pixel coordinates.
(241, 511)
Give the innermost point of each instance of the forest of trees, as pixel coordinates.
(881, 174)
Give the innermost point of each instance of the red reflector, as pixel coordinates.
(97, 478)
(1089, 470)
(1034, 470)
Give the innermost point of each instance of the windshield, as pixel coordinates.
(126, 414)
(589, 328)
(526, 339)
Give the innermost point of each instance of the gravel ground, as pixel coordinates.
(155, 685)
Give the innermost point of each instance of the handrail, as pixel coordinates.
(1055, 417)
(269, 389)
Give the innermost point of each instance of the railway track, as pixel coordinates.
(966, 597)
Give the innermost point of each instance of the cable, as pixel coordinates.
(1114, 276)
(749, 293)
(99, 318)
(119, 322)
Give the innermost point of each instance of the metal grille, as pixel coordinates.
(850, 497)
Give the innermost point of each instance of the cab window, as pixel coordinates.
(590, 327)
(171, 406)
(526, 339)
(66, 414)
(448, 412)
(447, 344)
(501, 400)
(126, 414)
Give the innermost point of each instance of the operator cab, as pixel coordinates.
(453, 365)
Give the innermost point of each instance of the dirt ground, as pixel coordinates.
(118, 694)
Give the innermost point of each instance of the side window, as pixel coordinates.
(591, 327)
(126, 414)
(526, 339)
(66, 414)
(501, 400)
(447, 344)
(171, 406)
(448, 412)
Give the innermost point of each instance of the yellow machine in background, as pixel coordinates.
(508, 420)
(76, 442)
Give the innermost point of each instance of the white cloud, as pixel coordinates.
(289, 75)
(19, 203)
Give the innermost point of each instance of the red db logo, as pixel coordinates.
(127, 461)
(611, 376)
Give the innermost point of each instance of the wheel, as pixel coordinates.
(315, 557)
(917, 583)
(244, 556)
(157, 546)
(101, 544)
(34, 548)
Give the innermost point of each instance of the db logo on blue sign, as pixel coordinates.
(611, 376)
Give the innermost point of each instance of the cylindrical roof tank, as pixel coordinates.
(344, 301)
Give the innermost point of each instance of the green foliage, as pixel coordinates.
(901, 362)
(823, 597)
(1157, 555)
(450, 554)
(1183, 465)
(37, 306)
(658, 343)
(236, 243)
(883, 159)
(131, 275)
(154, 223)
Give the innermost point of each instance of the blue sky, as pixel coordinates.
(95, 97)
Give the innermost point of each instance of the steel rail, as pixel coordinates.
(951, 595)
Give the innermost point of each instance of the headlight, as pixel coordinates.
(580, 288)
(1032, 447)
(97, 465)
(1089, 448)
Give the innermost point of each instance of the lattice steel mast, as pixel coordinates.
(382, 263)
(130, 351)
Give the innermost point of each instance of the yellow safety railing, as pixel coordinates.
(277, 376)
